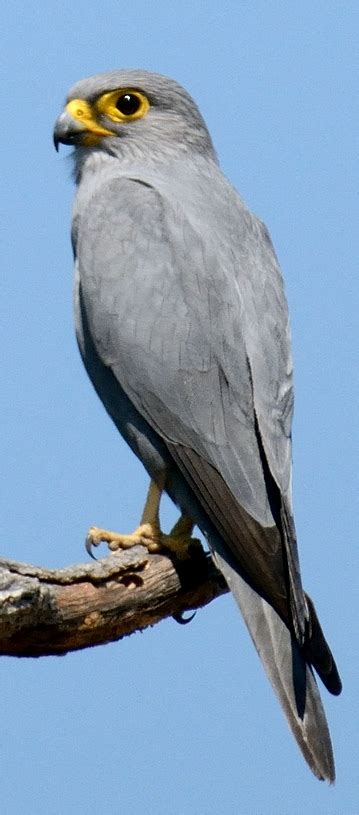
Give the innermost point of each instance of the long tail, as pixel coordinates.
(291, 676)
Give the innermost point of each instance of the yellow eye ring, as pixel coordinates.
(108, 105)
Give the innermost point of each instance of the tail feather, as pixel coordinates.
(320, 655)
(291, 676)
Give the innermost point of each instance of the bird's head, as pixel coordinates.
(132, 113)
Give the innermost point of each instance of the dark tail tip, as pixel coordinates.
(318, 653)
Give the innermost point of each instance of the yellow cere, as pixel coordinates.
(105, 105)
(80, 110)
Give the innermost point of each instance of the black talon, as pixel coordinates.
(89, 545)
(181, 620)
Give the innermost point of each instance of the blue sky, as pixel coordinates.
(178, 721)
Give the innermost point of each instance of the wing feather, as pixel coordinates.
(174, 316)
(190, 316)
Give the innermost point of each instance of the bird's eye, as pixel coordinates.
(128, 104)
(123, 105)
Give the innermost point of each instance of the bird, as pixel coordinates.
(182, 324)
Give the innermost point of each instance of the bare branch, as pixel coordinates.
(52, 611)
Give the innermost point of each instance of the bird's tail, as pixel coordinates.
(289, 672)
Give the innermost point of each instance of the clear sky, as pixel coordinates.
(178, 721)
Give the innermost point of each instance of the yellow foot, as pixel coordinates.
(146, 535)
(179, 542)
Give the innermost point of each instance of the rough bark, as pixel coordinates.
(52, 611)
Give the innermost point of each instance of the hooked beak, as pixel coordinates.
(78, 124)
(68, 130)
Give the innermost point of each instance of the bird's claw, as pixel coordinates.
(178, 543)
(90, 544)
(179, 618)
(145, 535)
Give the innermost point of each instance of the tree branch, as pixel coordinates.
(52, 611)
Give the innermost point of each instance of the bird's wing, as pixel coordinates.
(174, 314)
(202, 353)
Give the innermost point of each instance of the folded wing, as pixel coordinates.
(192, 320)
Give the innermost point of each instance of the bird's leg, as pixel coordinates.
(179, 541)
(148, 533)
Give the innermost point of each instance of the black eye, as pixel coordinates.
(128, 104)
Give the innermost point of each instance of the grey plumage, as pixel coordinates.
(182, 324)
